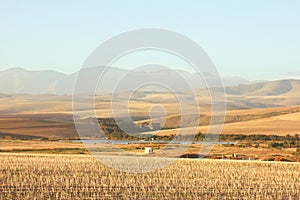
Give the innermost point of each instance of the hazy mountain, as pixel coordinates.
(18, 80)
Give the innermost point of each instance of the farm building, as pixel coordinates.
(148, 150)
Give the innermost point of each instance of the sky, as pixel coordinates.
(257, 40)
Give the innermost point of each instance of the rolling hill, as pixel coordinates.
(266, 107)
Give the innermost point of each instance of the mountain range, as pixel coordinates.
(238, 90)
(21, 81)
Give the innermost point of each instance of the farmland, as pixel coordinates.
(24, 176)
(162, 100)
(50, 116)
(39, 160)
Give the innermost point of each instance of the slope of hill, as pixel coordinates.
(276, 121)
(271, 88)
(267, 94)
(51, 116)
(232, 117)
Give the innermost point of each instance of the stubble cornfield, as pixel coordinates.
(83, 177)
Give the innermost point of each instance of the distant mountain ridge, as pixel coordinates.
(18, 80)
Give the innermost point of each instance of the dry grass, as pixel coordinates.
(82, 177)
(282, 125)
(12, 145)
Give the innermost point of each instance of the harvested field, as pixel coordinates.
(83, 177)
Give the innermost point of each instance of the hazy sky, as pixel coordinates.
(253, 39)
